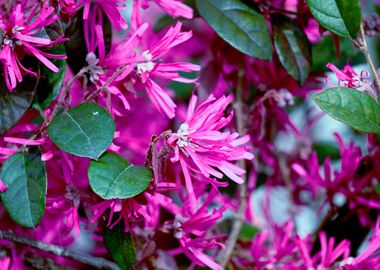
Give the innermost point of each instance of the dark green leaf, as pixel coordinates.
(293, 48)
(51, 82)
(85, 131)
(242, 27)
(247, 231)
(325, 150)
(14, 105)
(377, 188)
(113, 177)
(324, 52)
(352, 107)
(25, 199)
(120, 246)
(342, 17)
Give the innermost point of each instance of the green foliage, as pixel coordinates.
(342, 17)
(242, 27)
(113, 177)
(324, 52)
(14, 105)
(120, 246)
(293, 48)
(352, 107)
(51, 82)
(247, 231)
(85, 131)
(25, 199)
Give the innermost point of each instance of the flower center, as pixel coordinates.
(183, 133)
(146, 66)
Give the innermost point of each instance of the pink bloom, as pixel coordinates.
(19, 30)
(191, 228)
(3, 187)
(349, 78)
(69, 6)
(328, 256)
(174, 8)
(152, 68)
(201, 148)
(110, 7)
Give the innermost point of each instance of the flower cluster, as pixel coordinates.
(179, 135)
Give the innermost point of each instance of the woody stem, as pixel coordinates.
(225, 256)
(95, 262)
(364, 49)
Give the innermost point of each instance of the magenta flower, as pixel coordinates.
(152, 68)
(3, 187)
(348, 77)
(201, 148)
(191, 230)
(19, 31)
(110, 7)
(174, 8)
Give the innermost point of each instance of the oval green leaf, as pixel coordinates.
(342, 17)
(242, 27)
(85, 131)
(292, 47)
(25, 199)
(120, 246)
(113, 177)
(14, 105)
(351, 107)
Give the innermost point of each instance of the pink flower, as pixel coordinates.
(349, 78)
(19, 30)
(152, 68)
(174, 8)
(328, 256)
(110, 7)
(201, 148)
(191, 229)
(3, 187)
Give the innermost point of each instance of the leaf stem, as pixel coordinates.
(98, 263)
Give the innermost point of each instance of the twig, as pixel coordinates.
(98, 263)
(363, 46)
(225, 255)
(108, 82)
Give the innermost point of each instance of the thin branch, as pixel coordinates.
(108, 82)
(65, 91)
(98, 263)
(225, 255)
(363, 46)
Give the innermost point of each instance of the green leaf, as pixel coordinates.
(14, 105)
(293, 47)
(51, 82)
(85, 131)
(325, 150)
(377, 188)
(25, 199)
(242, 27)
(352, 107)
(247, 231)
(113, 177)
(342, 17)
(324, 51)
(120, 246)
